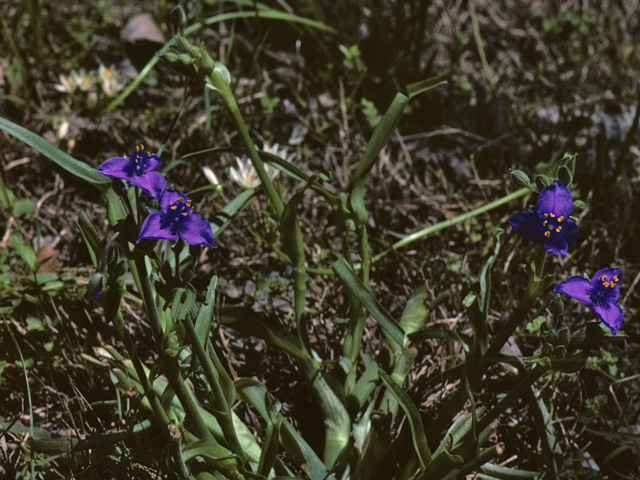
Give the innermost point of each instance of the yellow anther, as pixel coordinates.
(615, 278)
(188, 203)
(560, 219)
(558, 229)
(148, 153)
(137, 149)
(606, 284)
(185, 214)
(141, 147)
(179, 199)
(547, 233)
(174, 207)
(545, 215)
(552, 215)
(603, 278)
(545, 222)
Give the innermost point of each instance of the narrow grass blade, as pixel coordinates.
(417, 88)
(230, 211)
(384, 318)
(413, 416)
(66, 161)
(271, 441)
(91, 238)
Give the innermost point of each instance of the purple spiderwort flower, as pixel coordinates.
(549, 223)
(175, 220)
(601, 293)
(137, 170)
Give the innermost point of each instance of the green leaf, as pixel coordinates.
(91, 238)
(66, 161)
(415, 312)
(417, 88)
(384, 318)
(26, 253)
(254, 393)
(215, 455)
(231, 210)
(413, 416)
(271, 441)
(378, 140)
(24, 206)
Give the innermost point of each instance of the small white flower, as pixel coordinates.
(277, 151)
(66, 85)
(246, 175)
(84, 80)
(109, 80)
(213, 179)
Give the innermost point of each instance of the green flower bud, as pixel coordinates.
(578, 337)
(171, 344)
(542, 181)
(519, 178)
(565, 175)
(178, 18)
(547, 349)
(551, 337)
(556, 305)
(94, 286)
(564, 335)
(578, 206)
(560, 351)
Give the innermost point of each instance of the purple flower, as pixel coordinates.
(601, 293)
(549, 223)
(137, 170)
(175, 220)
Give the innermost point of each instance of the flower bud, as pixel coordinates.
(578, 337)
(556, 305)
(178, 18)
(547, 349)
(94, 286)
(564, 335)
(551, 337)
(542, 181)
(578, 206)
(560, 351)
(519, 178)
(564, 175)
(171, 344)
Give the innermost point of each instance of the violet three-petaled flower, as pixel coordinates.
(176, 220)
(138, 170)
(549, 223)
(601, 293)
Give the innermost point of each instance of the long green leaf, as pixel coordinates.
(91, 238)
(378, 140)
(384, 318)
(231, 210)
(66, 161)
(255, 393)
(417, 88)
(413, 416)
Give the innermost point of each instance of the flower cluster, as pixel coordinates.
(175, 219)
(247, 177)
(550, 225)
(85, 81)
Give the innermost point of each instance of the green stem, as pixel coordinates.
(159, 413)
(149, 301)
(221, 410)
(225, 94)
(447, 223)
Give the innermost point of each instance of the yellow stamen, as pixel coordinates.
(558, 229)
(545, 222)
(560, 219)
(174, 207)
(615, 279)
(606, 284)
(552, 215)
(188, 203)
(179, 199)
(545, 215)
(185, 214)
(547, 233)
(137, 149)
(603, 278)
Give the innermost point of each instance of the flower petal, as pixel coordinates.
(169, 196)
(570, 231)
(195, 230)
(556, 244)
(556, 199)
(151, 183)
(152, 229)
(114, 167)
(611, 315)
(613, 293)
(576, 287)
(528, 225)
(153, 162)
